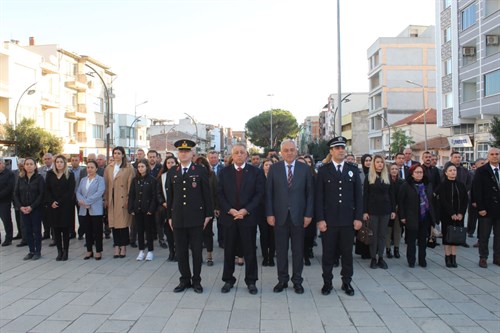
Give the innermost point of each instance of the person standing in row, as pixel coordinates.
(240, 192)
(453, 201)
(217, 166)
(394, 229)
(311, 231)
(339, 210)
(189, 210)
(267, 243)
(169, 163)
(48, 164)
(142, 201)
(28, 198)
(361, 248)
(289, 208)
(21, 230)
(7, 183)
(118, 177)
(89, 197)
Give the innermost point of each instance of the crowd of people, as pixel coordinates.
(290, 200)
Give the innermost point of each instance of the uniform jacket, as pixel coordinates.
(298, 199)
(92, 196)
(250, 197)
(116, 195)
(188, 196)
(7, 183)
(409, 204)
(339, 199)
(487, 191)
(143, 195)
(60, 190)
(29, 192)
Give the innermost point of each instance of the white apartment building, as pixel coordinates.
(393, 61)
(468, 72)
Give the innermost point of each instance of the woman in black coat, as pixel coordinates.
(361, 248)
(416, 213)
(394, 230)
(59, 196)
(453, 201)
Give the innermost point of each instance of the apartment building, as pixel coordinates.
(401, 80)
(468, 72)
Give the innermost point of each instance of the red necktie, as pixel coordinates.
(290, 175)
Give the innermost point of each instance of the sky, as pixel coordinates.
(218, 60)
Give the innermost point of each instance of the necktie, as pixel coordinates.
(184, 170)
(339, 170)
(402, 173)
(290, 175)
(496, 175)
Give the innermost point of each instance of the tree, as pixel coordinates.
(33, 141)
(318, 149)
(495, 131)
(399, 141)
(284, 126)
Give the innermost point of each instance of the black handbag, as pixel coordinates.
(456, 235)
(365, 235)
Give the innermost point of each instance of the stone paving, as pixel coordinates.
(124, 295)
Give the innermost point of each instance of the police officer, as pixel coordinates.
(339, 209)
(189, 209)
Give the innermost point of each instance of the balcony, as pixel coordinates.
(78, 113)
(81, 137)
(49, 101)
(48, 68)
(79, 83)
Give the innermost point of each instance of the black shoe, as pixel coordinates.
(411, 264)
(163, 245)
(298, 288)
(336, 263)
(447, 260)
(252, 289)
(310, 253)
(381, 263)
(53, 243)
(307, 262)
(280, 286)
(107, 236)
(270, 262)
(65, 255)
(29, 256)
(466, 245)
(36, 256)
(327, 289)
(197, 288)
(22, 244)
(396, 253)
(373, 263)
(89, 256)
(210, 262)
(181, 287)
(265, 262)
(7, 242)
(80, 237)
(171, 256)
(226, 288)
(422, 263)
(18, 236)
(388, 253)
(453, 260)
(59, 255)
(133, 244)
(347, 288)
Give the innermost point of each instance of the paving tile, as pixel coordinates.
(244, 319)
(23, 324)
(86, 323)
(69, 312)
(51, 326)
(213, 321)
(182, 321)
(18, 308)
(432, 325)
(400, 323)
(370, 319)
(53, 304)
(115, 326)
(149, 324)
(306, 322)
(275, 326)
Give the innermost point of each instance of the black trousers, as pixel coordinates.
(167, 230)
(337, 241)
(93, 233)
(220, 233)
(120, 236)
(414, 236)
(45, 222)
(472, 220)
(485, 226)
(61, 236)
(145, 223)
(208, 236)
(82, 228)
(238, 234)
(267, 242)
(5, 215)
(20, 225)
(186, 239)
(283, 235)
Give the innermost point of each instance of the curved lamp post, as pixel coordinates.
(28, 91)
(137, 119)
(425, 110)
(389, 129)
(195, 126)
(345, 99)
(271, 122)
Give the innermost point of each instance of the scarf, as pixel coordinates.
(424, 201)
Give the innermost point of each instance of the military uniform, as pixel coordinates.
(188, 204)
(339, 202)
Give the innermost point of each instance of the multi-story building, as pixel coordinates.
(309, 132)
(401, 79)
(130, 132)
(355, 130)
(468, 72)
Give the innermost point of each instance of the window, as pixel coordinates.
(482, 150)
(466, 152)
(446, 3)
(483, 128)
(469, 91)
(97, 131)
(447, 67)
(447, 34)
(463, 129)
(469, 16)
(448, 100)
(491, 6)
(126, 132)
(492, 83)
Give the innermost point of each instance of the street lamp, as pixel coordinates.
(135, 122)
(28, 91)
(425, 110)
(339, 67)
(196, 128)
(131, 127)
(166, 136)
(345, 99)
(271, 122)
(389, 129)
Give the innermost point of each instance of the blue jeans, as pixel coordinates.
(33, 225)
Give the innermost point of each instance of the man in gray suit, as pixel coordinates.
(289, 208)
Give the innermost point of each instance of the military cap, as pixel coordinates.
(337, 141)
(184, 144)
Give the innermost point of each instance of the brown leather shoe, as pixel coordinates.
(496, 261)
(483, 263)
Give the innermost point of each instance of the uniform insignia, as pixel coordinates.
(350, 173)
(192, 167)
(194, 184)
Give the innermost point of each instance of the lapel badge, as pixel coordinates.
(350, 173)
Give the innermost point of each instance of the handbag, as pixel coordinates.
(456, 235)
(365, 234)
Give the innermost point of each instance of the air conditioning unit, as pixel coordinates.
(468, 51)
(491, 39)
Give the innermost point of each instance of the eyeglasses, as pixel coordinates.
(418, 172)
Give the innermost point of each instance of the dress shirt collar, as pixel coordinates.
(242, 166)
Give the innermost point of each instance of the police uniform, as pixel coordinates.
(339, 202)
(189, 203)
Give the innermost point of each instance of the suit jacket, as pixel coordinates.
(339, 199)
(486, 191)
(218, 169)
(92, 196)
(298, 199)
(188, 196)
(250, 195)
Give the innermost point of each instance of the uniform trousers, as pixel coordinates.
(93, 233)
(283, 234)
(485, 226)
(337, 241)
(186, 239)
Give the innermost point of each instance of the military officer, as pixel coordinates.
(339, 209)
(189, 209)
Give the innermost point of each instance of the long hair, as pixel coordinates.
(313, 169)
(148, 169)
(124, 158)
(65, 170)
(363, 158)
(203, 161)
(164, 167)
(35, 172)
(372, 173)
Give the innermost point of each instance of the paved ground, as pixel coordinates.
(123, 295)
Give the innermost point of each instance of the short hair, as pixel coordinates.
(287, 141)
(213, 152)
(158, 154)
(94, 163)
(152, 151)
(455, 153)
(426, 152)
(398, 154)
(350, 155)
(241, 145)
(255, 154)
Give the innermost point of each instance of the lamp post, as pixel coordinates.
(339, 76)
(425, 110)
(271, 120)
(166, 137)
(135, 122)
(389, 129)
(196, 129)
(131, 130)
(28, 91)
(345, 99)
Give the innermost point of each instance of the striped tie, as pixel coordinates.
(290, 175)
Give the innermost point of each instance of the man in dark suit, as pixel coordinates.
(240, 192)
(408, 155)
(339, 210)
(400, 162)
(7, 183)
(189, 209)
(217, 166)
(486, 187)
(289, 208)
(430, 171)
